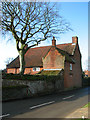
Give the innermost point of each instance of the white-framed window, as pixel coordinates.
(36, 68)
(70, 66)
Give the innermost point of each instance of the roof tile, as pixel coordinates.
(33, 56)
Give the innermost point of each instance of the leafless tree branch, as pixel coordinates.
(30, 23)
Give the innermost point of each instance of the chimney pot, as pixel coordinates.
(54, 42)
(75, 39)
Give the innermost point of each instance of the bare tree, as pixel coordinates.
(30, 23)
(8, 60)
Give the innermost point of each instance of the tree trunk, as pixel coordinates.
(22, 61)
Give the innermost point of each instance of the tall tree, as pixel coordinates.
(30, 23)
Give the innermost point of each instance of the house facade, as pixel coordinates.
(55, 57)
(87, 73)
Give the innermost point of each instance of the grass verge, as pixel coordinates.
(87, 105)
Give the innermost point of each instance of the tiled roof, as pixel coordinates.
(67, 56)
(69, 48)
(33, 56)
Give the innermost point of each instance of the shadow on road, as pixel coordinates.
(22, 106)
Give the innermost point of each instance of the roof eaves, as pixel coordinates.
(34, 66)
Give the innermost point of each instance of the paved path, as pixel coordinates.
(79, 113)
(51, 106)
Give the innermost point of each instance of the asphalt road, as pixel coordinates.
(51, 106)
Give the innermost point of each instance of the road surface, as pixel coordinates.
(50, 106)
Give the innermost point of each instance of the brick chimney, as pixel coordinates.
(75, 39)
(54, 42)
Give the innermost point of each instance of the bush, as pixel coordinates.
(31, 77)
(13, 87)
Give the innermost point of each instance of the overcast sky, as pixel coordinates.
(74, 12)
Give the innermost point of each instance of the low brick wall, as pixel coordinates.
(33, 88)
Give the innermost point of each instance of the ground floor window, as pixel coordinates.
(36, 68)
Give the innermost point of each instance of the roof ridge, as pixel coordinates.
(50, 45)
(40, 52)
(64, 44)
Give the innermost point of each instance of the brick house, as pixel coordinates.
(87, 73)
(55, 57)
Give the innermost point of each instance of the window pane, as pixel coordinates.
(36, 69)
(70, 66)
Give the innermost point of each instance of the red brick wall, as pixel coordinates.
(73, 78)
(11, 70)
(53, 60)
(17, 70)
(30, 71)
(27, 70)
(88, 73)
(77, 78)
(68, 75)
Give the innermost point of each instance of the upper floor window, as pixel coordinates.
(36, 68)
(70, 66)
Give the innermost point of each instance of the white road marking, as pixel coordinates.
(4, 115)
(42, 105)
(68, 97)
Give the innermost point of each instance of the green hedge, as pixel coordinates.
(30, 77)
(13, 87)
